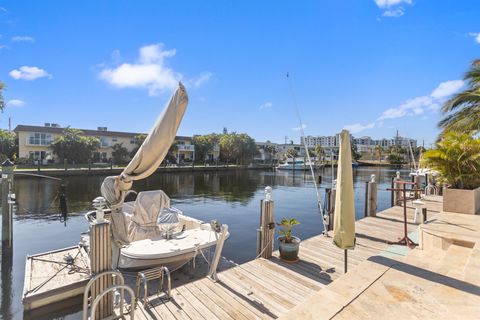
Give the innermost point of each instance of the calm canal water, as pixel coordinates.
(232, 197)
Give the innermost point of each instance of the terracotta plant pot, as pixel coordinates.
(289, 251)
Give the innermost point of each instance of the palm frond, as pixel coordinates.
(464, 120)
(464, 98)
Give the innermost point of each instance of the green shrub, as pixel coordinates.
(456, 157)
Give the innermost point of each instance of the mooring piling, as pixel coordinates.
(266, 231)
(395, 190)
(8, 198)
(100, 261)
(371, 204)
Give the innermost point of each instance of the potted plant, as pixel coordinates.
(288, 244)
(456, 157)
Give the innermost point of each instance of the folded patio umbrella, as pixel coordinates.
(344, 217)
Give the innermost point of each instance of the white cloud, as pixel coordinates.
(392, 8)
(409, 107)
(3, 10)
(198, 81)
(299, 128)
(382, 4)
(29, 73)
(476, 36)
(419, 105)
(446, 89)
(148, 72)
(357, 127)
(266, 105)
(23, 39)
(15, 103)
(3, 46)
(394, 13)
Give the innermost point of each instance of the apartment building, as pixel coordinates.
(34, 142)
(364, 144)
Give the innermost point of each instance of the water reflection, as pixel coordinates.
(233, 197)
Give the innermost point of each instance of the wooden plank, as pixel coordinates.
(176, 310)
(235, 309)
(140, 313)
(305, 281)
(245, 279)
(259, 297)
(196, 303)
(224, 290)
(276, 283)
(156, 309)
(205, 299)
(329, 254)
(255, 266)
(181, 302)
(304, 268)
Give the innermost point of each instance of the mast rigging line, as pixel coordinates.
(319, 201)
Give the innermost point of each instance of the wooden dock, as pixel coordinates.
(49, 278)
(269, 288)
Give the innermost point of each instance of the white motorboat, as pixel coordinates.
(149, 232)
(153, 242)
(300, 165)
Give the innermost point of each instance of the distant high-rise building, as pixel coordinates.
(364, 144)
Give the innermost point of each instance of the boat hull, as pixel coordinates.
(172, 263)
(301, 167)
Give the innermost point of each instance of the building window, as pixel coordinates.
(114, 139)
(103, 142)
(44, 156)
(39, 139)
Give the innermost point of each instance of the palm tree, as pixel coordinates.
(457, 158)
(292, 153)
(463, 109)
(270, 150)
(378, 152)
(319, 152)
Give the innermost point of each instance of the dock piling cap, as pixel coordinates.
(7, 163)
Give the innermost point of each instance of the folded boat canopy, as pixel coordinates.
(147, 159)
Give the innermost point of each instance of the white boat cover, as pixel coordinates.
(143, 221)
(147, 159)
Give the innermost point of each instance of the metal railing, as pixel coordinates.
(100, 296)
(152, 274)
(120, 285)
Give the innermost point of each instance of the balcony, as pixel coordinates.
(186, 147)
(38, 142)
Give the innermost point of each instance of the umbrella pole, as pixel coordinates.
(345, 261)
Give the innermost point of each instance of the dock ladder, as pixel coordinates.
(119, 284)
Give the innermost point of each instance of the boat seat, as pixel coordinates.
(142, 222)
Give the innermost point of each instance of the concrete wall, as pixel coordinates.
(461, 201)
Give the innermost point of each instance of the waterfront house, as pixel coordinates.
(34, 143)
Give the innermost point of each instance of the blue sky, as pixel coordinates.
(373, 66)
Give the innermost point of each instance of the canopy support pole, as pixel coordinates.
(212, 273)
(345, 266)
